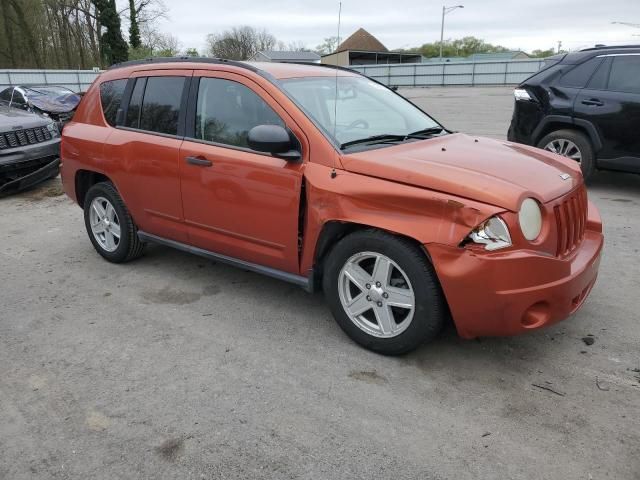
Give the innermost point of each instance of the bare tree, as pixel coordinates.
(297, 46)
(329, 45)
(240, 43)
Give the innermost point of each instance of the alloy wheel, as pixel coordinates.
(105, 224)
(566, 148)
(376, 294)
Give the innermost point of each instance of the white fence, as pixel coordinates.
(452, 73)
(76, 80)
(402, 75)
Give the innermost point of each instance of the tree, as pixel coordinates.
(240, 43)
(462, 47)
(134, 30)
(191, 52)
(296, 46)
(114, 48)
(329, 45)
(543, 53)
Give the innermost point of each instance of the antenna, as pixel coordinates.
(335, 98)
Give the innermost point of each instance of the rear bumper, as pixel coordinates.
(499, 294)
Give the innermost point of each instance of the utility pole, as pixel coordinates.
(445, 10)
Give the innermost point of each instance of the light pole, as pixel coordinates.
(445, 10)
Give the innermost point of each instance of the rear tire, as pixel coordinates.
(561, 142)
(394, 284)
(109, 224)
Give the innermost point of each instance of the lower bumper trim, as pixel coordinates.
(45, 172)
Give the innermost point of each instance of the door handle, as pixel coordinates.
(199, 161)
(593, 102)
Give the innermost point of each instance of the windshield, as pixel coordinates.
(363, 109)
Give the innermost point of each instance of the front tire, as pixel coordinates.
(383, 292)
(573, 145)
(109, 224)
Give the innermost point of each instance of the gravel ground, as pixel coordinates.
(176, 367)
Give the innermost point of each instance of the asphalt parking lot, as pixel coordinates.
(175, 367)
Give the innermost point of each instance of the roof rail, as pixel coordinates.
(183, 59)
(609, 47)
(327, 65)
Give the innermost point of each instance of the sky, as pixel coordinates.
(525, 25)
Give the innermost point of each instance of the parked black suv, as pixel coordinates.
(584, 105)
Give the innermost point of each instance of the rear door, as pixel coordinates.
(147, 146)
(239, 202)
(611, 102)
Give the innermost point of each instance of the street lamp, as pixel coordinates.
(445, 10)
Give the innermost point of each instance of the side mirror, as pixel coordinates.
(273, 139)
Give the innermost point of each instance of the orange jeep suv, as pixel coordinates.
(327, 179)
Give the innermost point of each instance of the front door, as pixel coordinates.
(236, 201)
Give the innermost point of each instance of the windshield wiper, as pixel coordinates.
(426, 131)
(374, 138)
(420, 134)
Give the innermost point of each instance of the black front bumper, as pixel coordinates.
(29, 174)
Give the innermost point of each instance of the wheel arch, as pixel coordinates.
(84, 180)
(552, 123)
(335, 230)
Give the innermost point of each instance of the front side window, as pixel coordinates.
(6, 94)
(111, 98)
(227, 110)
(350, 108)
(625, 74)
(161, 104)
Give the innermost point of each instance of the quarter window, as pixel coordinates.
(579, 76)
(227, 110)
(161, 104)
(625, 74)
(111, 98)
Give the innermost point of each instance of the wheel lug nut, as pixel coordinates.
(379, 304)
(368, 285)
(385, 295)
(378, 284)
(368, 298)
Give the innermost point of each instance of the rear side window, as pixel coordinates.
(599, 79)
(111, 98)
(161, 104)
(135, 104)
(227, 110)
(625, 74)
(579, 75)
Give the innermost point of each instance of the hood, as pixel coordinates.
(490, 171)
(62, 104)
(14, 119)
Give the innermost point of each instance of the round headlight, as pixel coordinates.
(530, 219)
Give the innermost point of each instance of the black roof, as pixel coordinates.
(609, 47)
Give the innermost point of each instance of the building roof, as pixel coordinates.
(362, 40)
(289, 55)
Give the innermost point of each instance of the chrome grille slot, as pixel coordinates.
(571, 220)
